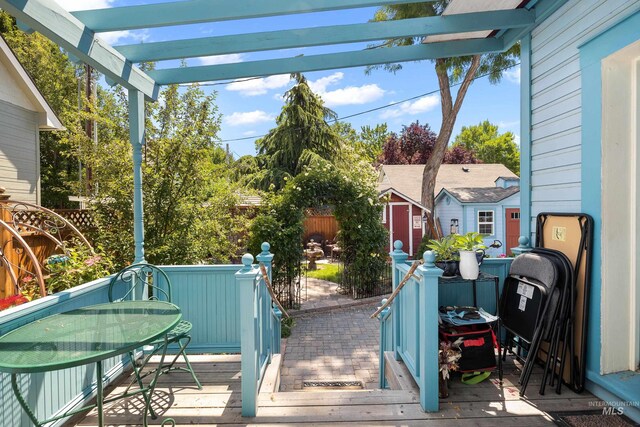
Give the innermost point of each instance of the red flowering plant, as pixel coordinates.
(12, 301)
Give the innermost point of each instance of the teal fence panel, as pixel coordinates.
(413, 322)
(210, 299)
(53, 392)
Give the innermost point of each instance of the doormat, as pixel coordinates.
(332, 385)
(590, 419)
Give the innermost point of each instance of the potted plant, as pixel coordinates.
(471, 247)
(446, 254)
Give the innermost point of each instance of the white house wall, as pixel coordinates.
(555, 100)
(19, 162)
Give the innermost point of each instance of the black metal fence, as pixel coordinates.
(359, 286)
(286, 285)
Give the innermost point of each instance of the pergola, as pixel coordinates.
(466, 27)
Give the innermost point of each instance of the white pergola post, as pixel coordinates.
(136, 134)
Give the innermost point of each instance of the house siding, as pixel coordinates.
(556, 100)
(19, 160)
(446, 212)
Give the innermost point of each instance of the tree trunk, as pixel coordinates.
(449, 114)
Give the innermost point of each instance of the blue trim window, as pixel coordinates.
(486, 222)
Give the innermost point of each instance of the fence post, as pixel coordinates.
(266, 258)
(397, 257)
(249, 357)
(428, 342)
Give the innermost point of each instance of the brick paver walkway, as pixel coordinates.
(341, 344)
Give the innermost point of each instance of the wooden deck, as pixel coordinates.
(219, 403)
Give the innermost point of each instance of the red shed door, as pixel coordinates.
(400, 225)
(512, 221)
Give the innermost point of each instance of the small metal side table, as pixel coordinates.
(87, 335)
(496, 325)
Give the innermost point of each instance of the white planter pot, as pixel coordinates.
(469, 268)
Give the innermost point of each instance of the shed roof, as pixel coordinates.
(407, 179)
(481, 195)
(47, 118)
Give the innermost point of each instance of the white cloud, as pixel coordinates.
(221, 59)
(516, 139)
(513, 74)
(320, 85)
(113, 37)
(84, 4)
(260, 86)
(421, 105)
(249, 133)
(248, 118)
(353, 95)
(350, 95)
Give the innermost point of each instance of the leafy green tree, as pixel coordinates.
(368, 142)
(302, 133)
(188, 199)
(56, 77)
(489, 146)
(460, 70)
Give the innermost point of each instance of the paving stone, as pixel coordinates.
(340, 344)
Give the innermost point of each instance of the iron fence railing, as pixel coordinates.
(358, 285)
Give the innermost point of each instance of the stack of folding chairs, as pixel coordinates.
(544, 301)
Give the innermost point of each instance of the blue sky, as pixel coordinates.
(249, 108)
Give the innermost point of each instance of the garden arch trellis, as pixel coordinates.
(362, 235)
(78, 34)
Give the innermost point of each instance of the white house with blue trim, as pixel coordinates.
(580, 129)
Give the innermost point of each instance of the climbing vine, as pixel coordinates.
(362, 237)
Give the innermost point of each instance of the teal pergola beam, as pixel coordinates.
(59, 26)
(199, 11)
(335, 34)
(326, 61)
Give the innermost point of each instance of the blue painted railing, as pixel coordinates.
(211, 298)
(259, 326)
(409, 327)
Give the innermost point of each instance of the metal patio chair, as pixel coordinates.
(147, 281)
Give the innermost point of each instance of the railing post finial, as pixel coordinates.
(523, 246)
(247, 262)
(429, 259)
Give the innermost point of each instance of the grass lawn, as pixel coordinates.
(328, 272)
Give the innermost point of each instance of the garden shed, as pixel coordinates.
(463, 192)
(23, 114)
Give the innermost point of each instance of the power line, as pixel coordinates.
(393, 104)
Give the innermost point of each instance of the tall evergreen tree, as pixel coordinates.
(302, 133)
(450, 71)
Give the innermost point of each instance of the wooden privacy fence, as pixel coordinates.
(319, 224)
(29, 235)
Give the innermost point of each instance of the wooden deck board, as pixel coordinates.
(219, 403)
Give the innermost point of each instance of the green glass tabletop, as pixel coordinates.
(85, 335)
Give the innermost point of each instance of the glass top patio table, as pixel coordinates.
(85, 335)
